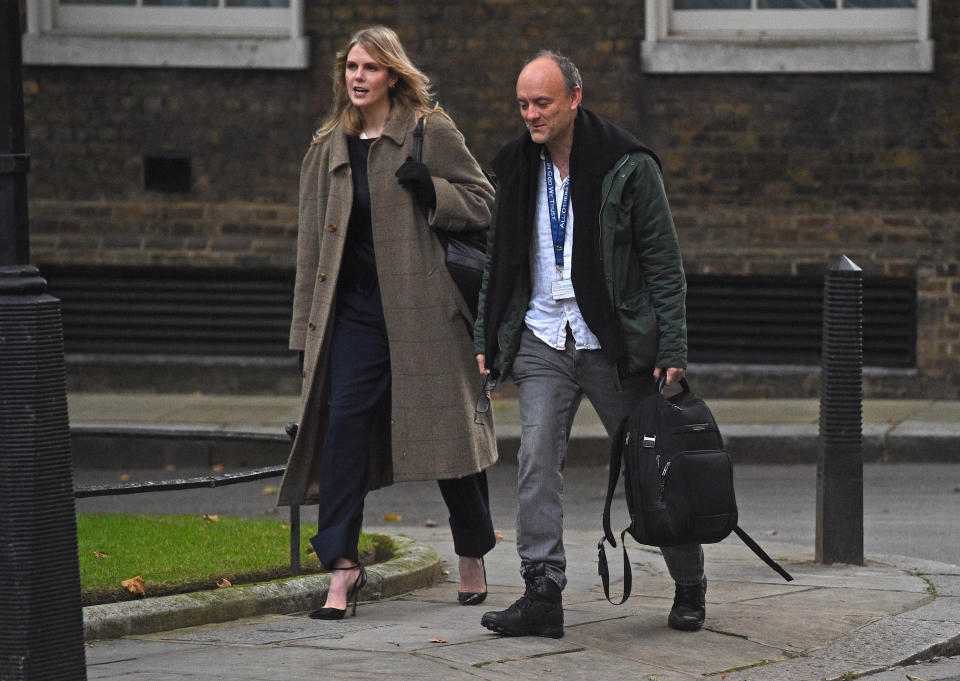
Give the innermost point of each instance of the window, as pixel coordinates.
(201, 33)
(787, 36)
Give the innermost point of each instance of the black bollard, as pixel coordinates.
(41, 627)
(41, 631)
(839, 535)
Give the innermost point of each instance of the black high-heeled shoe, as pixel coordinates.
(474, 597)
(352, 594)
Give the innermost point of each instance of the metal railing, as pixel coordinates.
(210, 481)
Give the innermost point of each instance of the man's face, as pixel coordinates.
(547, 108)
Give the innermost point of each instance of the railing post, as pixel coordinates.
(839, 532)
(294, 540)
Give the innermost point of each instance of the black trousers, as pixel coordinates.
(359, 383)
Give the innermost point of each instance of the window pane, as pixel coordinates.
(797, 4)
(711, 4)
(879, 4)
(258, 3)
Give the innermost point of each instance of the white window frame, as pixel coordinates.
(151, 36)
(786, 41)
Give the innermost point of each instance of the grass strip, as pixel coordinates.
(185, 553)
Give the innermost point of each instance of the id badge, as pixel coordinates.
(562, 289)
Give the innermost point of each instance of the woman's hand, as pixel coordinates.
(482, 364)
(415, 176)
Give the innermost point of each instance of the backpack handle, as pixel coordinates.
(662, 383)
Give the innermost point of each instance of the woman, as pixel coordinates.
(388, 372)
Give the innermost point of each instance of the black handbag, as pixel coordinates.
(466, 252)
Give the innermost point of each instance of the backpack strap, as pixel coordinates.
(605, 572)
(755, 547)
(616, 459)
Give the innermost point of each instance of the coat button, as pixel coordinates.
(321, 277)
(331, 228)
(311, 326)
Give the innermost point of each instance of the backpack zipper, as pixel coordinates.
(663, 477)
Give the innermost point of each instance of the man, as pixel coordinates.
(583, 294)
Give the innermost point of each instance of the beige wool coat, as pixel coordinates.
(428, 432)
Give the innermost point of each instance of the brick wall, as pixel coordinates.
(767, 174)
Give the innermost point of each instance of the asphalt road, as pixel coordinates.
(909, 509)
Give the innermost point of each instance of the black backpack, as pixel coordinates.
(678, 479)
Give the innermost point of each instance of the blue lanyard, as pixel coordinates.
(558, 224)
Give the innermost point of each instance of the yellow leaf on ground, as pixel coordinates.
(211, 518)
(392, 518)
(430, 523)
(125, 477)
(223, 582)
(498, 535)
(270, 490)
(217, 467)
(100, 554)
(437, 640)
(135, 585)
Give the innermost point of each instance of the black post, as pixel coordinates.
(41, 626)
(14, 162)
(839, 535)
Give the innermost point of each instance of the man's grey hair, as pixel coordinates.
(571, 75)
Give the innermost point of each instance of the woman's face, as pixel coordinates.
(368, 81)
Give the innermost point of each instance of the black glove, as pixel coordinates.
(416, 177)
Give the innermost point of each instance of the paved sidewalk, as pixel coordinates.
(832, 622)
(755, 430)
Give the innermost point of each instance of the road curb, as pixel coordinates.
(413, 566)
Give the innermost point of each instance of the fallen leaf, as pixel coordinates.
(269, 489)
(310, 550)
(392, 518)
(223, 582)
(394, 643)
(125, 477)
(217, 467)
(770, 533)
(135, 585)
(914, 678)
(170, 467)
(100, 554)
(429, 523)
(498, 535)
(211, 517)
(437, 640)
(271, 511)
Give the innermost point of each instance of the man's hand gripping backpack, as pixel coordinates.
(678, 479)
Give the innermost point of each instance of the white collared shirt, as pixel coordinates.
(548, 318)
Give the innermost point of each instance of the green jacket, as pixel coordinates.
(641, 264)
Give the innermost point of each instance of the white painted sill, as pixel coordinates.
(154, 52)
(720, 56)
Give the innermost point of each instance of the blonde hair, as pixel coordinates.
(412, 90)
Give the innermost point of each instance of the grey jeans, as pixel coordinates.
(550, 384)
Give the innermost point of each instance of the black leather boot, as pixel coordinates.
(689, 607)
(539, 612)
